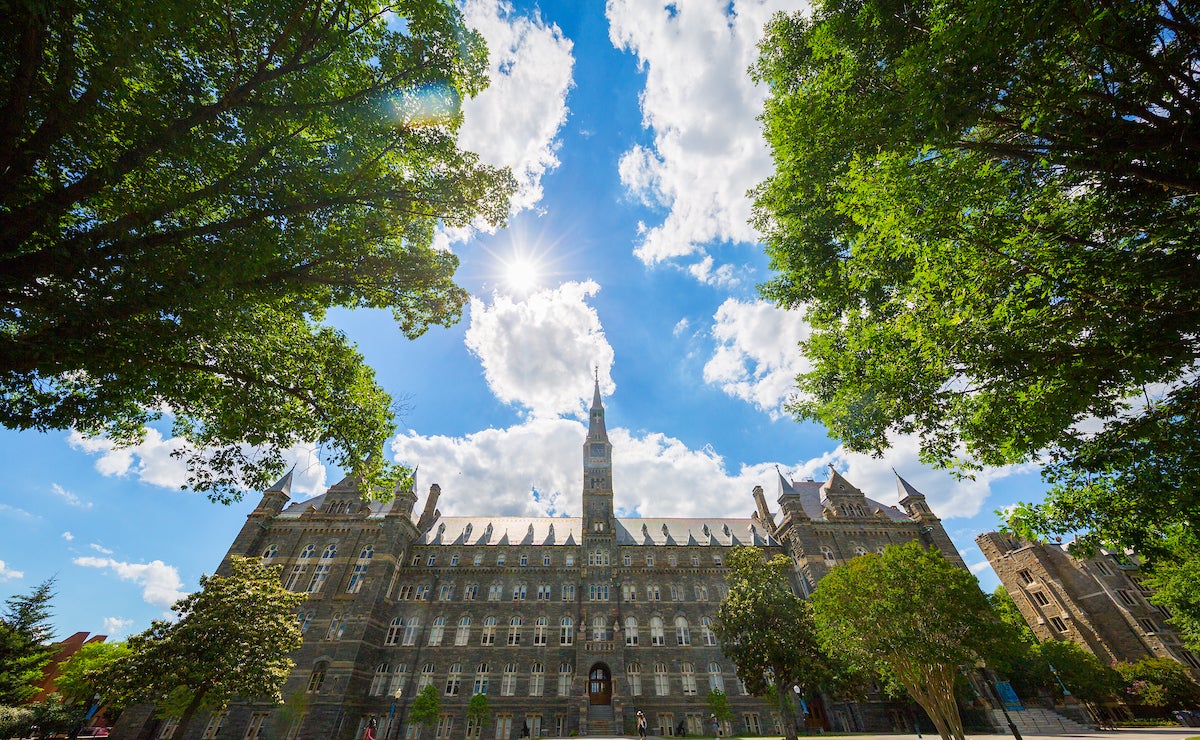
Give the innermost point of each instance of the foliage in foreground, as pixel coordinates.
(187, 187)
(233, 637)
(1159, 682)
(990, 213)
(912, 618)
(426, 708)
(25, 649)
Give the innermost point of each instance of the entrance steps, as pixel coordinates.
(1037, 721)
(600, 720)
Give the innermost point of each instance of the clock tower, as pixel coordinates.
(597, 473)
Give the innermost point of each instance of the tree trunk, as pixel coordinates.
(786, 715)
(190, 712)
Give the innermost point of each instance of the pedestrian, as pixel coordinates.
(715, 725)
(372, 725)
(641, 725)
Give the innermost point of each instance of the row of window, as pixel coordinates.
(566, 592)
(596, 558)
(389, 680)
(830, 557)
(406, 631)
(298, 576)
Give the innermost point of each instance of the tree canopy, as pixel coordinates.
(912, 618)
(426, 708)
(760, 607)
(187, 187)
(1175, 580)
(86, 674)
(988, 213)
(233, 637)
(25, 649)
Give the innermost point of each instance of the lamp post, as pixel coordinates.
(391, 712)
(802, 713)
(1061, 685)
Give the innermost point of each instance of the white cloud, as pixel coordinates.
(100, 549)
(757, 358)
(69, 497)
(160, 582)
(515, 121)
(68, 536)
(538, 351)
(150, 461)
(978, 568)
(681, 326)
(116, 626)
(15, 512)
(701, 106)
(8, 574)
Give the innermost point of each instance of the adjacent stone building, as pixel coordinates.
(568, 624)
(1101, 602)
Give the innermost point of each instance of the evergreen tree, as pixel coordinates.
(25, 648)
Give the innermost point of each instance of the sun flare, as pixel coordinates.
(521, 275)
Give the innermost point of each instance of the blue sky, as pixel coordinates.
(631, 128)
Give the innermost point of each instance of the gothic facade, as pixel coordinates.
(569, 624)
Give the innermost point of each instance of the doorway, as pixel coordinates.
(599, 685)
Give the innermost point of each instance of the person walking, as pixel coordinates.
(716, 726)
(641, 725)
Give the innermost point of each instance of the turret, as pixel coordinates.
(431, 513)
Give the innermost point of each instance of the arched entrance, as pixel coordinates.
(600, 685)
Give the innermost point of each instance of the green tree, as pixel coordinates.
(187, 187)
(988, 212)
(718, 705)
(761, 607)
(25, 648)
(1175, 579)
(233, 637)
(87, 673)
(479, 711)
(426, 708)
(1083, 674)
(912, 618)
(1160, 682)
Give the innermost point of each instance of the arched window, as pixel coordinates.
(411, 629)
(631, 631)
(316, 679)
(494, 591)
(662, 683)
(298, 569)
(489, 631)
(322, 571)
(566, 632)
(359, 574)
(656, 632)
(514, 632)
(463, 634)
(454, 680)
(828, 556)
(481, 678)
(303, 619)
(860, 550)
(633, 674)
(381, 680)
(437, 631)
(652, 593)
(537, 679)
(683, 635)
(337, 627)
(508, 682)
(565, 674)
(539, 630)
(599, 629)
(426, 678)
(716, 682)
(701, 592)
(395, 630)
(710, 637)
(269, 554)
(399, 679)
(687, 674)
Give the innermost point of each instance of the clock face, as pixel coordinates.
(597, 450)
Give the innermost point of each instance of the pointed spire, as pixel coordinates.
(906, 489)
(284, 484)
(838, 484)
(785, 485)
(596, 428)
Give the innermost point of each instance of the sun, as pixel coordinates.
(521, 275)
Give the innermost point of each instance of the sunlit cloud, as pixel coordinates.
(161, 585)
(9, 574)
(69, 497)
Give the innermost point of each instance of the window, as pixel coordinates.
(828, 556)
(481, 678)
(416, 560)
(599, 557)
(426, 678)
(214, 724)
(454, 559)
(1126, 598)
(683, 635)
(508, 682)
(503, 726)
(546, 560)
(494, 591)
(406, 593)
(533, 722)
(1040, 598)
(687, 673)
(1026, 576)
(566, 632)
(716, 682)
(570, 560)
(431, 561)
(568, 592)
(650, 560)
(437, 631)
(652, 593)
(489, 632)
(447, 592)
(1058, 624)
(656, 632)
(627, 560)
(673, 591)
(633, 674)
(304, 619)
(474, 728)
(500, 559)
(399, 678)
(258, 723)
(514, 632)
(662, 685)
(316, 679)
(666, 723)
(673, 560)
(706, 631)
(1102, 568)
(470, 592)
(1148, 625)
(395, 629)
(478, 559)
(168, 728)
(539, 630)
(463, 633)
(598, 592)
(411, 629)
(717, 560)
(298, 569)
(564, 679)
(543, 593)
(629, 592)
(444, 725)
(269, 555)
(599, 629)
(701, 592)
(519, 592)
(322, 572)
(359, 574)
(337, 627)
(381, 680)
(695, 561)
(631, 631)
(422, 593)
(454, 680)
(537, 680)
(524, 560)
(860, 550)
(752, 724)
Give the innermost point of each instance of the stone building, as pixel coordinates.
(1101, 602)
(568, 624)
